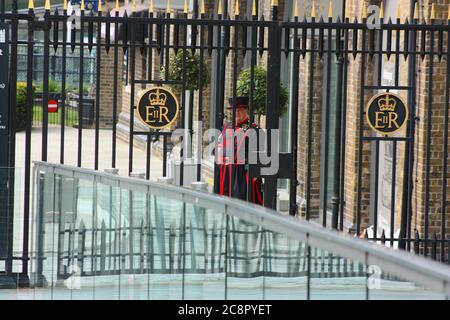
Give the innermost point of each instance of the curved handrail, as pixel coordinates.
(402, 264)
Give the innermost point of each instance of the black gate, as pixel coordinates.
(336, 62)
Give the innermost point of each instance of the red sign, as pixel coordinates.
(52, 106)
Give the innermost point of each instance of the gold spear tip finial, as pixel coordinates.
(416, 11)
(203, 11)
(448, 18)
(330, 10)
(82, 6)
(382, 10)
(47, 4)
(364, 12)
(399, 11)
(30, 4)
(133, 6)
(254, 8)
(65, 5)
(236, 8)
(274, 3)
(117, 5)
(100, 7)
(313, 9)
(219, 9)
(168, 6)
(296, 13)
(433, 12)
(150, 7)
(186, 10)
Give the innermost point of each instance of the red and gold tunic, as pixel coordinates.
(238, 169)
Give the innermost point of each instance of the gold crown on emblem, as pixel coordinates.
(157, 98)
(387, 103)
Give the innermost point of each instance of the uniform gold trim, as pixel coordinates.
(376, 97)
(143, 93)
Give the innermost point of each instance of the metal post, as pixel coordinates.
(293, 208)
(29, 114)
(221, 67)
(335, 200)
(406, 212)
(5, 133)
(272, 104)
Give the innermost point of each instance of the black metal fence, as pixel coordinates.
(267, 39)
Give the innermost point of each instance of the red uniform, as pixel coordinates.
(239, 167)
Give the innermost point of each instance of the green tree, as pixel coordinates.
(260, 90)
(192, 69)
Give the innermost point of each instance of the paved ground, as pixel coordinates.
(88, 150)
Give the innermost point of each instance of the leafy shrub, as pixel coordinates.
(260, 87)
(53, 87)
(192, 69)
(21, 97)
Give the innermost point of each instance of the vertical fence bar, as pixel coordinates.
(63, 86)
(273, 104)
(164, 155)
(294, 122)
(361, 128)
(234, 142)
(335, 200)
(97, 91)
(376, 182)
(428, 140)
(343, 121)
(80, 91)
(29, 120)
(218, 116)
(133, 90)
(394, 178)
(409, 156)
(183, 98)
(308, 271)
(327, 129)
(115, 88)
(254, 47)
(189, 143)
(12, 142)
(377, 142)
(397, 54)
(200, 100)
(310, 117)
